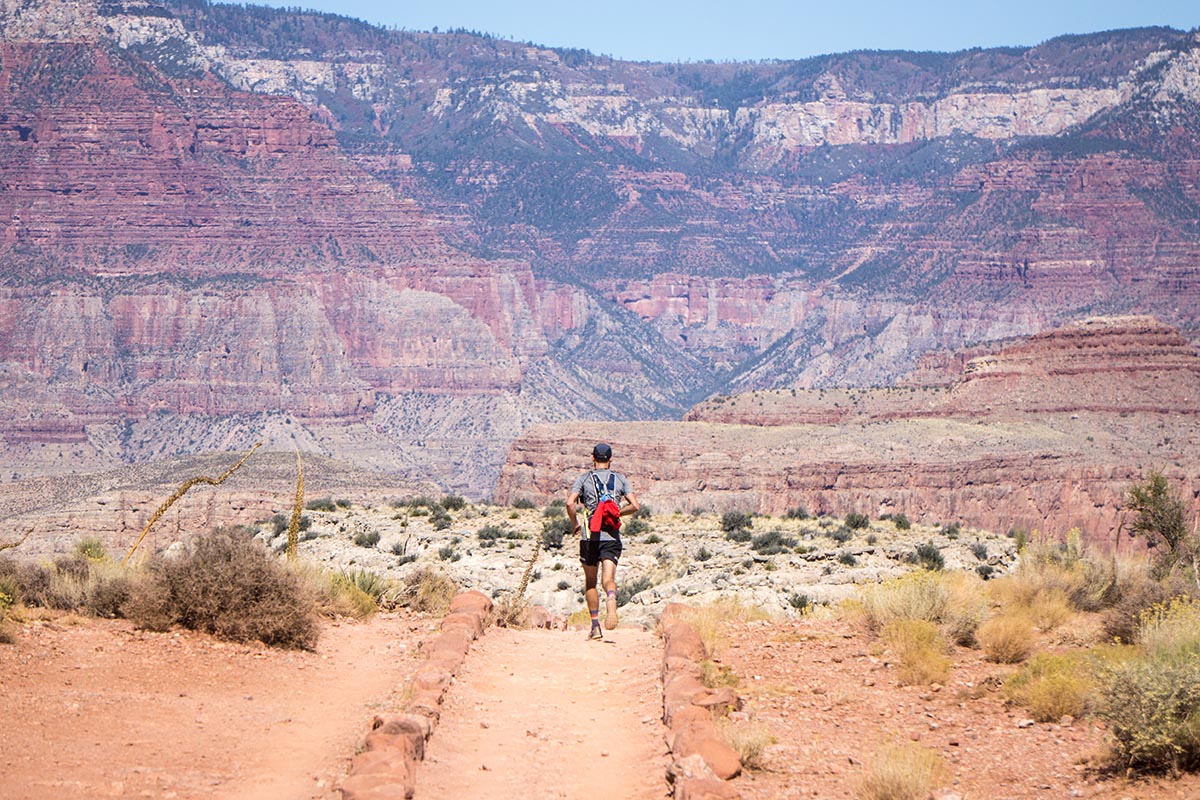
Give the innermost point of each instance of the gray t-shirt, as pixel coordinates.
(585, 487)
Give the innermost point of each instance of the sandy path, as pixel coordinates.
(546, 714)
(101, 710)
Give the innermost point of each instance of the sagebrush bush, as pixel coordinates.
(920, 649)
(91, 547)
(857, 521)
(1052, 686)
(1151, 705)
(1138, 592)
(511, 611)
(427, 590)
(555, 530)
(321, 504)
(735, 520)
(954, 601)
(772, 543)
(905, 771)
(228, 585)
(1006, 638)
(366, 538)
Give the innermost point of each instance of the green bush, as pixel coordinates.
(523, 503)
(928, 556)
(454, 502)
(847, 558)
(626, 591)
(563, 585)
(555, 530)
(901, 522)
(321, 504)
(653, 538)
(799, 512)
(1162, 519)
(772, 543)
(840, 534)
(228, 585)
(635, 527)
(735, 520)
(857, 521)
(980, 551)
(739, 535)
(703, 554)
(366, 538)
(800, 602)
(439, 519)
(91, 547)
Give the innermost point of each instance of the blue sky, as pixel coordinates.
(676, 30)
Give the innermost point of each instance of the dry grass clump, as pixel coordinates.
(1052, 686)
(355, 593)
(709, 619)
(921, 649)
(749, 740)
(228, 585)
(904, 771)
(511, 611)
(1150, 699)
(426, 590)
(956, 602)
(1007, 638)
(714, 674)
(1138, 592)
(95, 586)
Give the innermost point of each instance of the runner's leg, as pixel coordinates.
(590, 593)
(608, 570)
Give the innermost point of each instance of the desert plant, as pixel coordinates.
(1006, 638)
(228, 585)
(555, 530)
(920, 649)
(454, 502)
(321, 504)
(714, 674)
(901, 522)
(856, 521)
(954, 601)
(1052, 686)
(841, 534)
(800, 602)
(846, 558)
(739, 535)
(703, 554)
(904, 771)
(1162, 519)
(511, 611)
(735, 520)
(448, 553)
(928, 556)
(91, 547)
(366, 538)
(749, 740)
(772, 543)
(629, 589)
(523, 503)
(709, 619)
(426, 590)
(635, 527)
(439, 518)
(798, 512)
(563, 585)
(653, 538)
(980, 551)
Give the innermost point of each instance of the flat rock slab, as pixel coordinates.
(549, 714)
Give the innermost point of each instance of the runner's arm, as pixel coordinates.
(632, 505)
(572, 501)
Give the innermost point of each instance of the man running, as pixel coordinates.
(600, 543)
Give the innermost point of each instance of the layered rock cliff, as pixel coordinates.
(1048, 433)
(221, 223)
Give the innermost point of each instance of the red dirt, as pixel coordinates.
(828, 696)
(98, 709)
(547, 714)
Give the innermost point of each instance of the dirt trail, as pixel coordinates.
(549, 714)
(101, 710)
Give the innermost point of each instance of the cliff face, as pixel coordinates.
(219, 223)
(1047, 433)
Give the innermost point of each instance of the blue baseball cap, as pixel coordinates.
(602, 452)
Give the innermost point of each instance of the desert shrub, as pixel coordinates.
(556, 508)
(904, 771)
(511, 611)
(280, 522)
(1150, 699)
(634, 527)
(454, 502)
(92, 548)
(1050, 610)
(491, 533)
(1052, 686)
(342, 503)
(563, 585)
(426, 590)
(366, 538)
(985, 571)
(798, 512)
(522, 503)
(703, 554)
(643, 512)
(1006, 638)
(980, 551)
(34, 582)
(1162, 519)
(921, 650)
(857, 522)
(439, 518)
(653, 538)
(952, 530)
(739, 535)
(955, 601)
(108, 588)
(448, 553)
(772, 543)
(749, 740)
(901, 522)
(800, 602)
(228, 585)
(928, 556)
(555, 530)
(841, 534)
(847, 558)
(629, 589)
(321, 504)
(735, 520)
(1059, 571)
(338, 594)
(714, 674)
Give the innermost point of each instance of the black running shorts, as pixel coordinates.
(593, 551)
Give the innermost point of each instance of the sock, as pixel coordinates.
(612, 593)
(596, 618)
